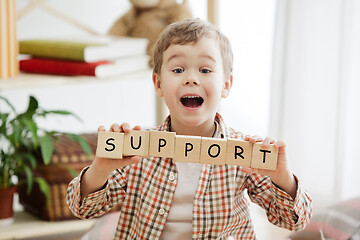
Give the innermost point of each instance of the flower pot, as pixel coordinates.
(6, 205)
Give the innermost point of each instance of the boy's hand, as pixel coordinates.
(110, 165)
(96, 176)
(282, 176)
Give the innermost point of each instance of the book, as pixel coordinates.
(98, 69)
(86, 49)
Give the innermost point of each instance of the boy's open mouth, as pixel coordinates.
(192, 101)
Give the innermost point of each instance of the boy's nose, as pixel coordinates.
(191, 82)
(191, 79)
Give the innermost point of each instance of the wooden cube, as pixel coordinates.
(136, 143)
(162, 144)
(187, 149)
(213, 151)
(238, 152)
(110, 145)
(264, 158)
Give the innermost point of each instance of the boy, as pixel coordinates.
(163, 200)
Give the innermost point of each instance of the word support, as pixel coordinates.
(183, 148)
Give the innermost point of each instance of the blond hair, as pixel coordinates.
(190, 31)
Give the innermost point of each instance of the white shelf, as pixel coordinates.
(27, 226)
(24, 80)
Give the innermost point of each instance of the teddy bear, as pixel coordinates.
(148, 18)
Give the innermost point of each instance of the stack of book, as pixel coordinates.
(101, 56)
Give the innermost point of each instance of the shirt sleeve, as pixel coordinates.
(281, 209)
(100, 202)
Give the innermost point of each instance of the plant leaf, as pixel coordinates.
(8, 103)
(31, 159)
(31, 125)
(32, 107)
(83, 143)
(61, 112)
(44, 188)
(3, 118)
(47, 148)
(16, 135)
(29, 179)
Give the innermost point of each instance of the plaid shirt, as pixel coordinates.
(220, 209)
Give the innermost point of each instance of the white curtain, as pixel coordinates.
(315, 103)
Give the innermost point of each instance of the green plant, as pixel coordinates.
(24, 145)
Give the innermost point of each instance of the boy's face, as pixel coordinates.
(192, 81)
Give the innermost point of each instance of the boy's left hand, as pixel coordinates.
(282, 176)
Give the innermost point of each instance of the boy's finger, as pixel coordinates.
(256, 138)
(281, 146)
(114, 127)
(125, 127)
(137, 127)
(267, 141)
(101, 129)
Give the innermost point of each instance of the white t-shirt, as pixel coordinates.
(178, 225)
(179, 221)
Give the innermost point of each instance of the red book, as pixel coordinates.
(98, 69)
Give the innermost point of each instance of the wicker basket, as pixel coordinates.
(68, 154)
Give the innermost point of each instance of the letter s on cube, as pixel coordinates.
(110, 145)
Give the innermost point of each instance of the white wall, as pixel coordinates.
(249, 25)
(315, 85)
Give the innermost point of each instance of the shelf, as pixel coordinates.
(27, 226)
(24, 80)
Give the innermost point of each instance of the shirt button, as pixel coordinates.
(171, 177)
(286, 202)
(162, 211)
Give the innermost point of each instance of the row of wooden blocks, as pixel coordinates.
(183, 148)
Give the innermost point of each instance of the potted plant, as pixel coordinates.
(23, 146)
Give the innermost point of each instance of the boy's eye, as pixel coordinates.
(205, 70)
(178, 70)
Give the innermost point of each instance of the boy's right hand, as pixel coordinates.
(97, 175)
(110, 165)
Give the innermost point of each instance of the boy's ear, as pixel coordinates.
(227, 87)
(157, 84)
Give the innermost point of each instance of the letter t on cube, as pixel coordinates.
(264, 158)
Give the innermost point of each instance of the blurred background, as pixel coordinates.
(296, 78)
